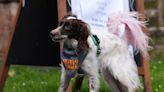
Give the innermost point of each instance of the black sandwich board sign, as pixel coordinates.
(31, 43)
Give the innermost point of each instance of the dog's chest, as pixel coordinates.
(70, 61)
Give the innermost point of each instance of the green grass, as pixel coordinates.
(32, 79)
(37, 79)
(157, 76)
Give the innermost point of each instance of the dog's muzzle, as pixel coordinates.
(57, 38)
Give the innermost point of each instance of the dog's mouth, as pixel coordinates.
(58, 38)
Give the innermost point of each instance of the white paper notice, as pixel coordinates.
(96, 12)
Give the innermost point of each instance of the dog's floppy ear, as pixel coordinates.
(84, 33)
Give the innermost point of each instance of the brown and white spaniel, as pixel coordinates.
(80, 53)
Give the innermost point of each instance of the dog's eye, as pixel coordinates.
(67, 26)
(60, 23)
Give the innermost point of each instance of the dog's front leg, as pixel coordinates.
(91, 68)
(93, 83)
(64, 82)
(93, 74)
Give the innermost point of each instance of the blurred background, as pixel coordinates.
(45, 80)
(154, 10)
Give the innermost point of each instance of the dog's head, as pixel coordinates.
(71, 28)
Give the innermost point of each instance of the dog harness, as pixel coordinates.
(97, 43)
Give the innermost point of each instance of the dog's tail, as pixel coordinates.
(133, 30)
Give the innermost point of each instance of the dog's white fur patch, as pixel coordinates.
(71, 17)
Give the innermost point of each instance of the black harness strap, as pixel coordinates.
(97, 43)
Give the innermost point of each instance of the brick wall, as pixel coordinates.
(7, 15)
(8, 1)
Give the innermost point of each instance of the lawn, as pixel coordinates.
(43, 79)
